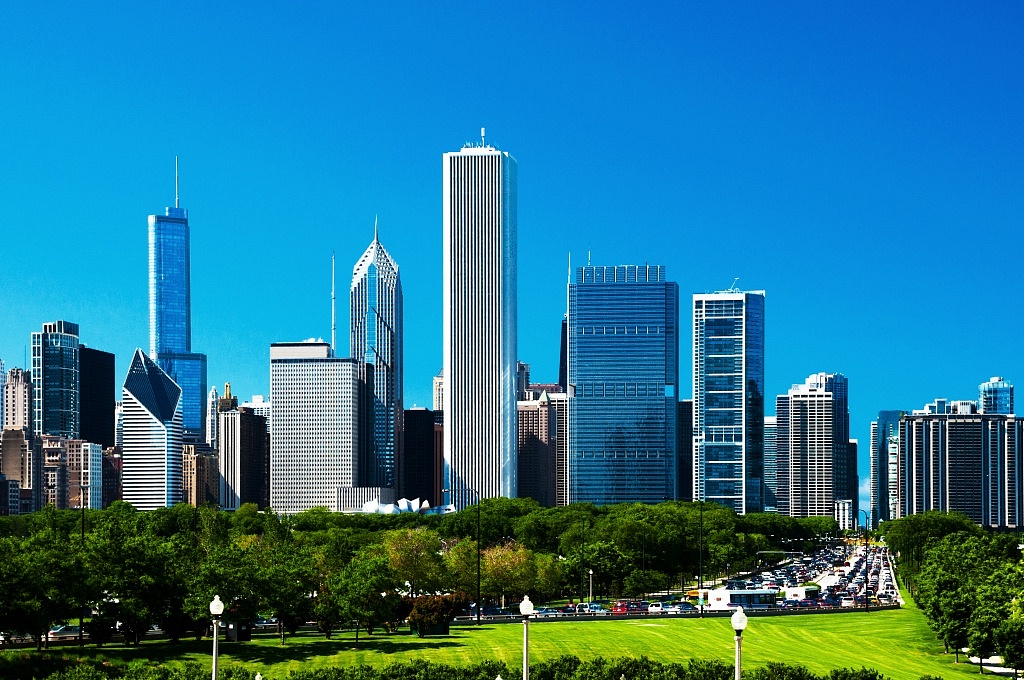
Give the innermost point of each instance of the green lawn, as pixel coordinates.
(897, 643)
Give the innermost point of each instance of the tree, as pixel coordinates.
(508, 569)
(368, 590)
(415, 555)
(459, 566)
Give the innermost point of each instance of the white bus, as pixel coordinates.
(724, 599)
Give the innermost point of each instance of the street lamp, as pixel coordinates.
(866, 595)
(526, 609)
(700, 563)
(591, 585)
(216, 609)
(479, 606)
(739, 623)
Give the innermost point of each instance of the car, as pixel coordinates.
(627, 607)
(807, 602)
(58, 632)
(568, 609)
(546, 613)
(847, 602)
(655, 608)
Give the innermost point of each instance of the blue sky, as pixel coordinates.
(861, 162)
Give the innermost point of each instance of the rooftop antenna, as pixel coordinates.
(483, 136)
(334, 326)
(733, 286)
(176, 182)
(374, 227)
(588, 257)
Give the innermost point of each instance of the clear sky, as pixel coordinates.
(861, 162)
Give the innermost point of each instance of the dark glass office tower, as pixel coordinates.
(55, 380)
(97, 396)
(170, 315)
(622, 377)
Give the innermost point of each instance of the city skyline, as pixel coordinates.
(887, 146)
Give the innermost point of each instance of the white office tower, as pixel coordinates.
(480, 430)
(728, 399)
(375, 338)
(439, 391)
(3, 382)
(314, 433)
(152, 433)
(259, 405)
(211, 418)
(85, 475)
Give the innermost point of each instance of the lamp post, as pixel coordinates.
(526, 609)
(700, 562)
(739, 623)
(591, 586)
(216, 609)
(479, 605)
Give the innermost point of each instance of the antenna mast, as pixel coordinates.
(176, 182)
(334, 326)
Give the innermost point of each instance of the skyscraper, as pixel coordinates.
(537, 420)
(375, 338)
(3, 383)
(771, 464)
(314, 431)
(813, 446)
(55, 380)
(728, 399)
(883, 450)
(623, 372)
(170, 313)
(96, 379)
(479, 345)
(211, 417)
(18, 399)
(152, 431)
(996, 396)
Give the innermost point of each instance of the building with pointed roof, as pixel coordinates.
(151, 403)
(375, 340)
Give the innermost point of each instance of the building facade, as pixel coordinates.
(97, 396)
(55, 380)
(995, 396)
(812, 446)
(314, 426)
(952, 457)
(537, 422)
(244, 458)
(479, 325)
(85, 474)
(376, 338)
(170, 314)
(771, 464)
(623, 377)
(152, 432)
(18, 399)
(883, 450)
(421, 471)
(200, 478)
(211, 417)
(728, 399)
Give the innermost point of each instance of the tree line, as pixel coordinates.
(968, 582)
(133, 569)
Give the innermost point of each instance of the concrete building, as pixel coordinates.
(151, 458)
(883, 450)
(18, 399)
(56, 491)
(728, 399)
(771, 464)
(85, 474)
(537, 449)
(21, 461)
(55, 380)
(244, 460)
(113, 472)
(200, 477)
(315, 427)
(479, 324)
(211, 418)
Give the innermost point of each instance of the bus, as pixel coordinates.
(724, 599)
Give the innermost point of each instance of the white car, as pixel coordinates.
(655, 608)
(847, 602)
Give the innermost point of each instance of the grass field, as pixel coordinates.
(898, 643)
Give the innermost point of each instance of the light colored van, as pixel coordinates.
(847, 602)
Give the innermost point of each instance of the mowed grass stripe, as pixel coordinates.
(897, 643)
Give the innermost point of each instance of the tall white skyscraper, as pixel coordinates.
(480, 428)
(211, 417)
(18, 399)
(3, 382)
(152, 432)
(375, 338)
(728, 399)
(813, 446)
(314, 430)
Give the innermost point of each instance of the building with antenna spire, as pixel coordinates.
(375, 340)
(170, 312)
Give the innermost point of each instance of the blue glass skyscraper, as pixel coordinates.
(728, 399)
(170, 314)
(623, 369)
(996, 396)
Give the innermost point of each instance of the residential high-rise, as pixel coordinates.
(85, 474)
(728, 399)
(200, 479)
(170, 314)
(771, 464)
(951, 457)
(97, 396)
(560, 404)
(623, 375)
(438, 387)
(314, 433)
(996, 396)
(3, 384)
(479, 344)
(21, 460)
(18, 400)
(813, 446)
(152, 431)
(55, 380)
(537, 422)
(882, 449)
(375, 338)
(56, 489)
(244, 455)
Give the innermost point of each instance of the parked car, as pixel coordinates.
(546, 613)
(58, 632)
(655, 608)
(847, 602)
